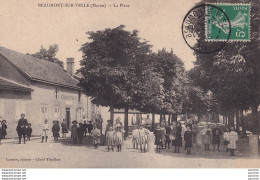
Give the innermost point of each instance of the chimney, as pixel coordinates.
(70, 65)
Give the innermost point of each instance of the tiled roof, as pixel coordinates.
(39, 69)
(6, 84)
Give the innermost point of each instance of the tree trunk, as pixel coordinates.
(231, 119)
(174, 117)
(237, 121)
(243, 124)
(169, 120)
(112, 114)
(255, 119)
(126, 121)
(160, 119)
(153, 121)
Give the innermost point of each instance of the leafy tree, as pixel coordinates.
(49, 54)
(113, 61)
(233, 76)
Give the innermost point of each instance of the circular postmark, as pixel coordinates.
(206, 28)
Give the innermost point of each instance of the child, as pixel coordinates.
(158, 138)
(4, 127)
(167, 137)
(74, 133)
(188, 139)
(207, 140)
(135, 134)
(225, 137)
(142, 139)
(29, 131)
(45, 130)
(110, 138)
(216, 133)
(56, 130)
(80, 132)
(64, 128)
(232, 138)
(118, 137)
(95, 134)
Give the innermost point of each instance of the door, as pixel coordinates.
(67, 117)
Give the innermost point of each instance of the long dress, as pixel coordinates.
(178, 138)
(118, 137)
(95, 133)
(167, 135)
(143, 136)
(158, 137)
(188, 139)
(110, 138)
(135, 135)
(216, 133)
(55, 130)
(4, 127)
(232, 138)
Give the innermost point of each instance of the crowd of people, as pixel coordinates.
(174, 135)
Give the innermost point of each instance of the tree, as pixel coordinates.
(233, 76)
(111, 66)
(49, 54)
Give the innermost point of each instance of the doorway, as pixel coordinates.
(67, 117)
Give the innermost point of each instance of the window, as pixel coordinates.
(56, 93)
(56, 113)
(44, 112)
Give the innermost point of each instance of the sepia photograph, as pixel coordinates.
(129, 84)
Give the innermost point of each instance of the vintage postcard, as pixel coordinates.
(129, 83)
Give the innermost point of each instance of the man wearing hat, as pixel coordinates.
(21, 128)
(56, 130)
(4, 127)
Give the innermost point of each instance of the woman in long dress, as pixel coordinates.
(177, 142)
(119, 137)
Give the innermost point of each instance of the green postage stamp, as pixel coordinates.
(235, 24)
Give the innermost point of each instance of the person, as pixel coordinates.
(1, 132)
(29, 132)
(232, 138)
(167, 136)
(207, 140)
(177, 142)
(119, 137)
(56, 130)
(4, 127)
(143, 137)
(80, 132)
(158, 138)
(216, 133)
(90, 127)
(74, 132)
(163, 136)
(195, 129)
(188, 140)
(64, 128)
(110, 138)
(95, 134)
(45, 130)
(21, 128)
(85, 127)
(206, 136)
(225, 138)
(135, 134)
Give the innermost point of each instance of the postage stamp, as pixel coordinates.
(239, 16)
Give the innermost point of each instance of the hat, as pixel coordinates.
(3, 121)
(75, 121)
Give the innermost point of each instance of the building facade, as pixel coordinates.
(41, 90)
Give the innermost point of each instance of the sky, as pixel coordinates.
(25, 26)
